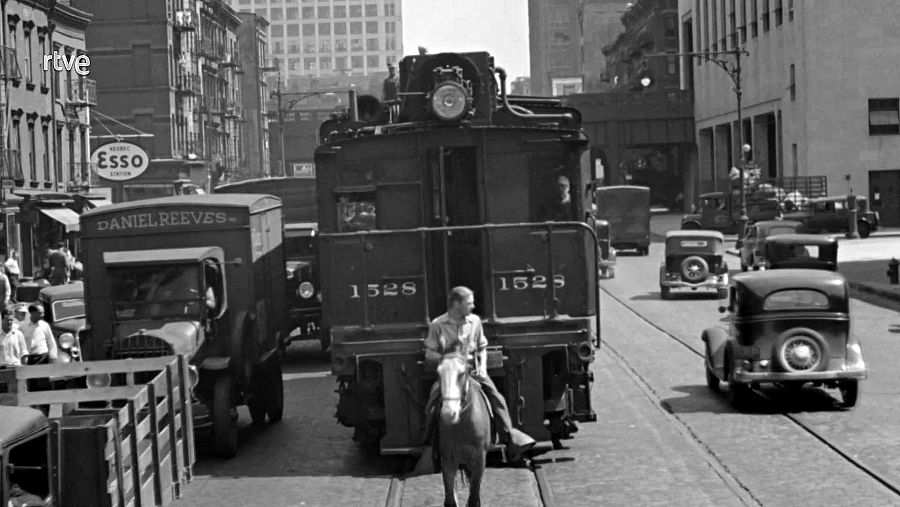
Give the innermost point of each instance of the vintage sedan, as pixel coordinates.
(694, 260)
(807, 251)
(753, 247)
(788, 327)
(832, 215)
(64, 311)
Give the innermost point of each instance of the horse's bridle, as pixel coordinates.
(465, 387)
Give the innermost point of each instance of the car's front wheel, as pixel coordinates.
(738, 393)
(849, 392)
(712, 381)
(863, 229)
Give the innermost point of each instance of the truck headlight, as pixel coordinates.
(306, 290)
(66, 341)
(99, 380)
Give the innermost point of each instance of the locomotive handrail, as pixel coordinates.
(547, 226)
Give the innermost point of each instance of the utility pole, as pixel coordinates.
(281, 128)
(730, 62)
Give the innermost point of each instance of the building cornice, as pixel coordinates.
(70, 16)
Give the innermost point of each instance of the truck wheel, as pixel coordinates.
(849, 392)
(664, 292)
(225, 434)
(274, 392)
(324, 339)
(863, 229)
(257, 406)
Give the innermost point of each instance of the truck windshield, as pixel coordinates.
(154, 291)
(68, 309)
(297, 248)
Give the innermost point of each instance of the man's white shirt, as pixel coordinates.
(38, 337)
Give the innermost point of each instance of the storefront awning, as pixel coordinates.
(64, 216)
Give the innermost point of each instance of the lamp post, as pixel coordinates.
(730, 62)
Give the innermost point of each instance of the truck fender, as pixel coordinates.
(715, 339)
(241, 330)
(215, 363)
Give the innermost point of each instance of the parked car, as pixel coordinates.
(788, 327)
(832, 214)
(694, 260)
(753, 247)
(808, 251)
(64, 311)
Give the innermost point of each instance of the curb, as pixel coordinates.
(868, 289)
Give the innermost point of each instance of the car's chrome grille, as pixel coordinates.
(140, 346)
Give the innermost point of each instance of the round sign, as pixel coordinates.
(119, 161)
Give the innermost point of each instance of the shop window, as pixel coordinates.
(356, 211)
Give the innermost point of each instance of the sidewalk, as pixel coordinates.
(864, 262)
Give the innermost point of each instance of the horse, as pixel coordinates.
(464, 428)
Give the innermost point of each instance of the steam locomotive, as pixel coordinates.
(445, 186)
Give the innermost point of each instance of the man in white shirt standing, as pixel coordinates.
(12, 266)
(38, 335)
(12, 343)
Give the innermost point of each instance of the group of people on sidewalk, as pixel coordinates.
(23, 331)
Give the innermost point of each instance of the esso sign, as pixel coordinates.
(120, 161)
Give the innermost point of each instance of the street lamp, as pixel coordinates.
(730, 62)
(646, 81)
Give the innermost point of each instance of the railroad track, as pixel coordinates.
(742, 491)
(395, 496)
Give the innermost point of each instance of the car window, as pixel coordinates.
(792, 299)
(693, 243)
(839, 205)
(68, 309)
(781, 230)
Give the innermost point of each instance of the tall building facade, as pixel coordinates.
(819, 92)
(566, 41)
(650, 27)
(166, 81)
(44, 129)
(324, 38)
(253, 46)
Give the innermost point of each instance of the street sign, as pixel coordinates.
(119, 161)
(7, 183)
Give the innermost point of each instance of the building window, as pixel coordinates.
(372, 61)
(45, 73)
(884, 116)
(325, 63)
(340, 11)
(293, 64)
(340, 28)
(275, 14)
(714, 22)
(356, 11)
(324, 29)
(390, 26)
(765, 15)
(309, 29)
(29, 57)
(46, 158)
(356, 45)
(325, 46)
(777, 12)
(372, 44)
(309, 46)
(390, 43)
(324, 12)
(293, 30)
(793, 85)
(309, 63)
(790, 10)
(292, 13)
(754, 26)
(371, 27)
(371, 10)
(340, 63)
(356, 62)
(308, 13)
(671, 67)
(355, 28)
(390, 10)
(340, 45)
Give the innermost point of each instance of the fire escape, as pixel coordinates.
(10, 159)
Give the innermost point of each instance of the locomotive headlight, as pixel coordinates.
(449, 101)
(66, 340)
(306, 290)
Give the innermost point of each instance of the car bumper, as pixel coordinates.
(747, 377)
(709, 283)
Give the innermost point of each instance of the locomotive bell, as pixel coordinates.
(451, 97)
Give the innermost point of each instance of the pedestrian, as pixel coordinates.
(458, 331)
(14, 272)
(60, 267)
(12, 342)
(390, 87)
(558, 206)
(5, 290)
(38, 335)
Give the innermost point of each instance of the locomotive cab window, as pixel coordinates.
(356, 211)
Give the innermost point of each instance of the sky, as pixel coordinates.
(499, 27)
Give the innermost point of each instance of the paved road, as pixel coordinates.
(662, 437)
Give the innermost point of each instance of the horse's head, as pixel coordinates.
(452, 373)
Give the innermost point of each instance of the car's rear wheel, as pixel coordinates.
(849, 392)
(863, 229)
(694, 269)
(712, 381)
(738, 393)
(664, 292)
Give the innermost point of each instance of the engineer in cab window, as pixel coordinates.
(558, 207)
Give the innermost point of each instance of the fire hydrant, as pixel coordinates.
(893, 271)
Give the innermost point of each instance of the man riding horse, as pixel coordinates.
(459, 332)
